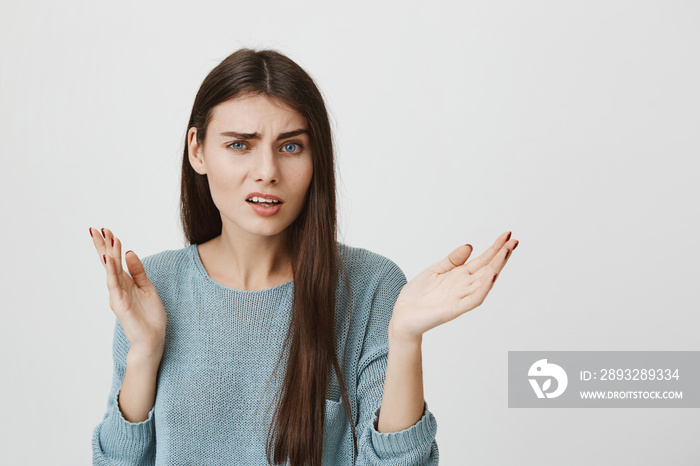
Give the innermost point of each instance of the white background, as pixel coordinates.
(573, 124)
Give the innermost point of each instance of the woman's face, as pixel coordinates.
(255, 146)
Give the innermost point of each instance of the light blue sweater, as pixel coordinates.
(213, 401)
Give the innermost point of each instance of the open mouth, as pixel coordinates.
(263, 203)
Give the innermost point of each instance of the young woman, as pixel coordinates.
(267, 341)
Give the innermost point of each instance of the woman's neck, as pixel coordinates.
(252, 263)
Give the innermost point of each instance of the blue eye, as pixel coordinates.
(293, 144)
(232, 145)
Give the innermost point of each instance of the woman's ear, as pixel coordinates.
(194, 151)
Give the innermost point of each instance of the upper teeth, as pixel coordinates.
(260, 199)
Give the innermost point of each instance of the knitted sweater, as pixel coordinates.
(216, 386)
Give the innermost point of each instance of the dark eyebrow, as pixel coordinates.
(289, 134)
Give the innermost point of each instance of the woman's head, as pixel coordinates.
(259, 80)
(256, 150)
(267, 93)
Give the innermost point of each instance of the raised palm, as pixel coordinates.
(133, 298)
(448, 288)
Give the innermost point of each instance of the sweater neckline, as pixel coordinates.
(194, 253)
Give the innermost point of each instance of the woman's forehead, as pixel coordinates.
(252, 113)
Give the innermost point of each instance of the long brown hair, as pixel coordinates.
(296, 431)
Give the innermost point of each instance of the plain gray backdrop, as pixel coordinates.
(573, 124)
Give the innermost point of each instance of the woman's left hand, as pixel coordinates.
(448, 289)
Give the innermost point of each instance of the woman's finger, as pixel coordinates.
(486, 276)
(510, 246)
(108, 241)
(117, 251)
(137, 270)
(454, 259)
(99, 242)
(115, 291)
(499, 260)
(485, 257)
(474, 265)
(110, 246)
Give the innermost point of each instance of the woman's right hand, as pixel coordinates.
(133, 299)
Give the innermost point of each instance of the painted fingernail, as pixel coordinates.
(103, 231)
(508, 237)
(112, 241)
(104, 257)
(494, 278)
(90, 232)
(507, 254)
(516, 245)
(469, 245)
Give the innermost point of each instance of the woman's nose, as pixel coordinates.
(265, 166)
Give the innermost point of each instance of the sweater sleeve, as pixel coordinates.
(116, 441)
(415, 445)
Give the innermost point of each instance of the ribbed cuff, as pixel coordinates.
(120, 438)
(392, 444)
